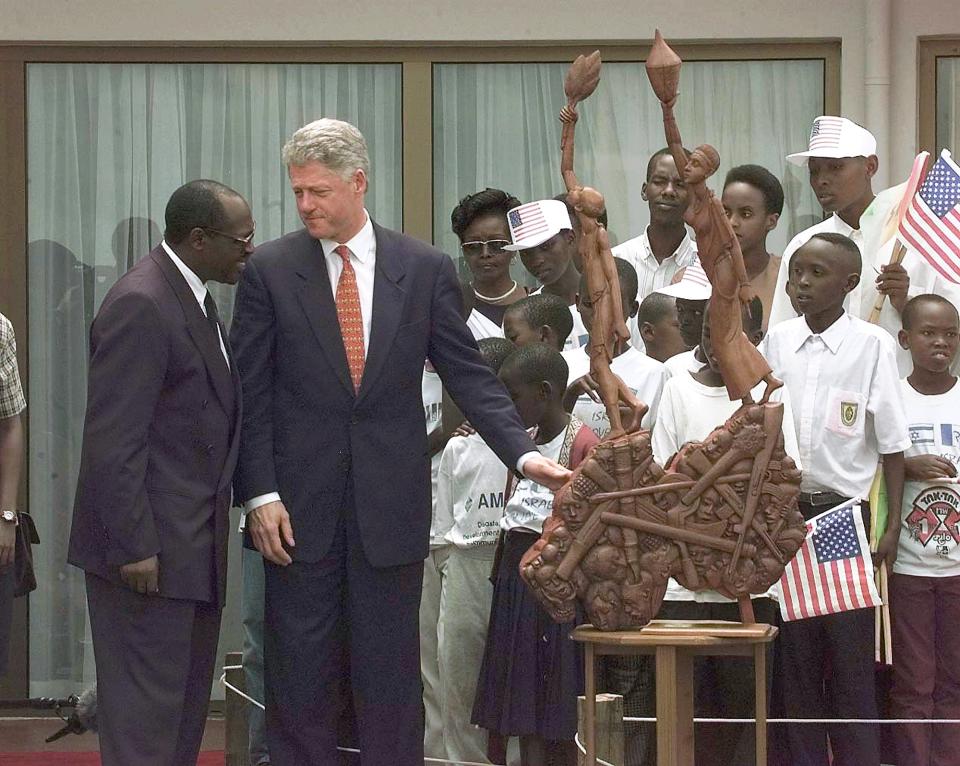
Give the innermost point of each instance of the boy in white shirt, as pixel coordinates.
(842, 161)
(691, 291)
(538, 318)
(469, 503)
(848, 406)
(925, 584)
(642, 374)
(659, 327)
(692, 406)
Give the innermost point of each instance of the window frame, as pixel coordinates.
(929, 49)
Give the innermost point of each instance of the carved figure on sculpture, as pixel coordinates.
(741, 365)
(722, 516)
(609, 330)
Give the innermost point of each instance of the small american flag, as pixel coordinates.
(931, 224)
(825, 133)
(832, 572)
(527, 220)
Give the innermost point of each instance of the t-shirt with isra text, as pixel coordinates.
(930, 517)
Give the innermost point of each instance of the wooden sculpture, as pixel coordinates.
(741, 364)
(722, 514)
(609, 329)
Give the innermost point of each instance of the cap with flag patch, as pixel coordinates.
(692, 286)
(836, 137)
(534, 223)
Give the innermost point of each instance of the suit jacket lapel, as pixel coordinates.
(388, 297)
(316, 298)
(218, 372)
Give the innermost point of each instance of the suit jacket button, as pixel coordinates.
(209, 448)
(354, 419)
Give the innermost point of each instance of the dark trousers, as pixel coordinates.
(6, 615)
(827, 667)
(318, 614)
(155, 659)
(926, 671)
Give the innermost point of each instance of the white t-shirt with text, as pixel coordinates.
(930, 517)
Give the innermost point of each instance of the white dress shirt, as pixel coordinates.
(847, 401)
(363, 258)
(199, 290)
(651, 273)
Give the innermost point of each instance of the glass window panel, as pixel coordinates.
(948, 103)
(496, 125)
(107, 144)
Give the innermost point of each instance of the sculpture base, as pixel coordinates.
(674, 644)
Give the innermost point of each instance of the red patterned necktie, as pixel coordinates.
(350, 317)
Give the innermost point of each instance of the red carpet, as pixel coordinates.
(209, 758)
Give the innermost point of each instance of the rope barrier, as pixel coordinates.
(580, 747)
(634, 719)
(235, 690)
(898, 721)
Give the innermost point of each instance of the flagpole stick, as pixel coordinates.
(885, 597)
(898, 252)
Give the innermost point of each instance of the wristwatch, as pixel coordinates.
(8, 516)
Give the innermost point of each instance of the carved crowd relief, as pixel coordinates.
(722, 516)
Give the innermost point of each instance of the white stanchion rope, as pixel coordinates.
(630, 719)
(634, 719)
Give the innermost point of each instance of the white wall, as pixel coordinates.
(439, 21)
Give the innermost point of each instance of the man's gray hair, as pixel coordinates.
(335, 144)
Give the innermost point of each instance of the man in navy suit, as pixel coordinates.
(331, 329)
(151, 515)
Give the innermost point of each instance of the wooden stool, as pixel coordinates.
(674, 644)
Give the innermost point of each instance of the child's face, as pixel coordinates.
(665, 338)
(518, 331)
(549, 260)
(932, 338)
(706, 342)
(585, 307)
(529, 398)
(690, 315)
(819, 278)
(747, 211)
(841, 182)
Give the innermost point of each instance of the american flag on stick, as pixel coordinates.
(931, 224)
(527, 220)
(825, 133)
(832, 572)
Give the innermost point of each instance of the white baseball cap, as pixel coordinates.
(534, 223)
(693, 285)
(836, 137)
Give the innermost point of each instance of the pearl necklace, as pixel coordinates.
(487, 299)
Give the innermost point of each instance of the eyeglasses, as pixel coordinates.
(493, 246)
(239, 240)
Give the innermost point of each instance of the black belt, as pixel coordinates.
(822, 499)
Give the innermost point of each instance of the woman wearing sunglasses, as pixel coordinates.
(480, 222)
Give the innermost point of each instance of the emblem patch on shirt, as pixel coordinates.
(935, 517)
(848, 413)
